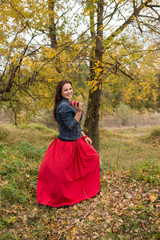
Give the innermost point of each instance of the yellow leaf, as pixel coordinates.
(91, 218)
(50, 80)
(24, 219)
(74, 230)
(99, 38)
(120, 1)
(75, 208)
(152, 198)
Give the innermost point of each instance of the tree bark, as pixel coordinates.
(52, 25)
(158, 99)
(91, 124)
(52, 32)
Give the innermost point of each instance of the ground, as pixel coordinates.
(127, 206)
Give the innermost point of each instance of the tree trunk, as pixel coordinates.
(52, 32)
(158, 99)
(52, 25)
(92, 118)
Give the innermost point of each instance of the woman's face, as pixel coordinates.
(67, 91)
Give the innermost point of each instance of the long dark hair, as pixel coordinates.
(58, 95)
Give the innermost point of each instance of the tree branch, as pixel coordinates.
(128, 21)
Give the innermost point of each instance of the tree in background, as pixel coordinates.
(106, 58)
(35, 54)
(96, 71)
(138, 87)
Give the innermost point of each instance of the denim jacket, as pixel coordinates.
(70, 129)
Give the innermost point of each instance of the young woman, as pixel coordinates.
(70, 171)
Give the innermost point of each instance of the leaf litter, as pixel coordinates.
(123, 209)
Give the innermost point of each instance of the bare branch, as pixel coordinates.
(128, 21)
(154, 29)
(152, 6)
(16, 10)
(14, 69)
(11, 48)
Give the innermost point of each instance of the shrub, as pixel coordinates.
(3, 133)
(124, 114)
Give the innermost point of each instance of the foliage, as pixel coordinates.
(141, 89)
(31, 66)
(124, 113)
(127, 206)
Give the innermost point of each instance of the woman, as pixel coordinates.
(70, 170)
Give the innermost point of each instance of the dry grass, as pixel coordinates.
(126, 148)
(136, 120)
(36, 134)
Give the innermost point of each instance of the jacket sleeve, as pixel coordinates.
(67, 117)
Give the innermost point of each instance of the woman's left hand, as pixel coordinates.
(88, 140)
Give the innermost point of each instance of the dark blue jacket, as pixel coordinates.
(70, 129)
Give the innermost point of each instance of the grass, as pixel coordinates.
(34, 134)
(124, 151)
(126, 208)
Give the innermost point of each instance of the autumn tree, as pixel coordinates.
(33, 47)
(106, 58)
(96, 72)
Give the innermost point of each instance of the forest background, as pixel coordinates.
(108, 49)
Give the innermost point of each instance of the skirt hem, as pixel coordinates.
(69, 204)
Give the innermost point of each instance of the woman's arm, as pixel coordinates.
(83, 134)
(86, 138)
(66, 114)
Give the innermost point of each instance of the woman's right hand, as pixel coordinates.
(77, 106)
(88, 140)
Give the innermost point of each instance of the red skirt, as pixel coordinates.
(69, 173)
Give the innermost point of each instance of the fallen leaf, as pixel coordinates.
(75, 208)
(91, 218)
(24, 219)
(152, 198)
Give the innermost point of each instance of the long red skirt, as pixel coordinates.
(69, 173)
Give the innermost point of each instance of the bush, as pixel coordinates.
(124, 114)
(3, 133)
(153, 138)
(155, 133)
